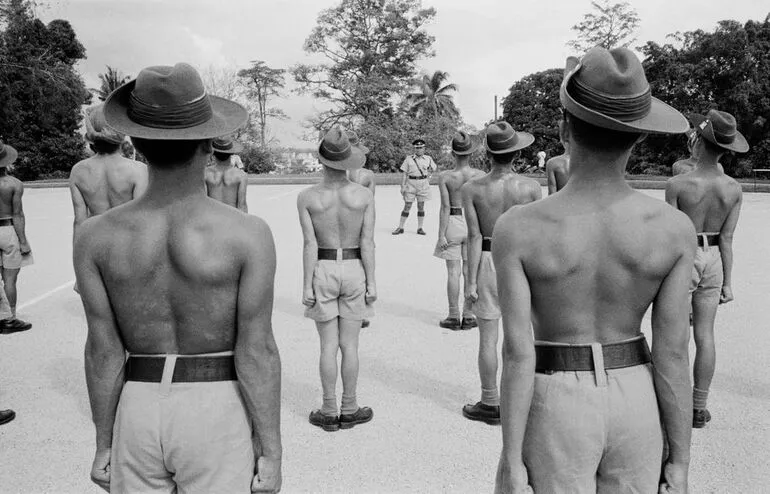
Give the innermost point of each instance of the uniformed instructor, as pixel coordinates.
(415, 185)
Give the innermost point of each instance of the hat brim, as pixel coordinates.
(662, 119)
(739, 144)
(237, 148)
(472, 150)
(227, 117)
(356, 159)
(363, 148)
(10, 156)
(524, 139)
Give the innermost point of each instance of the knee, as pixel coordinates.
(349, 348)
(453, 271)
(329, 349)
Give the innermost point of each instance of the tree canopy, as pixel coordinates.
(110, 80)
(433, 96)
(610, 26)
(262, 83)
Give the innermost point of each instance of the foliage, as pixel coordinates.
(257, 159)
(111, 80)
(40, 92)
(611, 26)
(370, 47)
(225, 83)
(262, 83)
(432, 97)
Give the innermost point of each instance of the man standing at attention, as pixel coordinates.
(452, 245)
(337, 219)
(415, 185)
(557, 168)
(712, 200)
(582, 407)
(203, 367)
(224, 181)
(485, 199)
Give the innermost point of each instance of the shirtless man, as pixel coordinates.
(224, 181)
(13, 241)
(557, 168)
(485, 199)
(184, 285)
(337, 219)
(580, 403)
(712, 200)
(688, 164)
(452, 245)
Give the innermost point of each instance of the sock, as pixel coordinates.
(329, 406)
(699, 398)
(454, 312)
(490, 397)
(349, 404)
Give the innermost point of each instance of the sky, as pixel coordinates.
(484, 45)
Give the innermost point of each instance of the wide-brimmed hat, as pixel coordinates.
(335, 151)
(608, 89)
(418, 143)
(97, 128)
(171, 103)
(7, 155)
(463, 144)
(355, 141)
(501, 138)
(226, 145)
(721, 129)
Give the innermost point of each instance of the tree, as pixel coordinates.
(41, 94)
(611, 26)
(370, 47)
(432, 97)
(262, 83)
(111, 80)
(225, 83)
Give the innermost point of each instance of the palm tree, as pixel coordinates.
(432, 97)
(111, 80)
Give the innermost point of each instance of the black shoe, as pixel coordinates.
(365, 323)
(420, 231)
(6, 416)
(469, 323)
(398, 231)
(360, 416)
(483, 413)
(329, 423)
(13, 325)
(700, 418)
(452, 323)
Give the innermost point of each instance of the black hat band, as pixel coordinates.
(625, 109)
(184, 116)
(334, 155)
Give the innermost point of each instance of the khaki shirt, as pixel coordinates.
(418, 166)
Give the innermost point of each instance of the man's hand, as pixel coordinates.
(674, 479)
(726, 295)
(471, 292)
(24, 248)
(268, 476)
(512, 479)
(371, 294)
(442, 242)
(308, 297)
(100, 470)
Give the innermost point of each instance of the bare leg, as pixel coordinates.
(453, 269)
(328, 331)
(488, 331)
(348, 342)
(704, 315)
(467, 304)
(420, 214)
(9, 280)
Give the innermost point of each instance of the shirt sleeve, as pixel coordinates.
(405, 165)
(432, 164)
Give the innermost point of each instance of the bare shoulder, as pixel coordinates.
(663, 218)
(360, 192)
(307, 194)
(528, 183)
(519, 226)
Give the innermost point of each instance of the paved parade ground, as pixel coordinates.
(415, 375)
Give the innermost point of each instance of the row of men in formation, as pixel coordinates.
(584, 403)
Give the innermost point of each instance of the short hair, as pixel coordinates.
(164, 153)
(503, 159)
(104, 147)
(222, 156)
(597, 138)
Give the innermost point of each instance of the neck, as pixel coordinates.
(3, 171)
(461, 162)
(501, 168)
(590, 169)
(334, 177)
(705, 159)
(224, 163)
(167, 185)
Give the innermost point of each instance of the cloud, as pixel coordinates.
(209, 50)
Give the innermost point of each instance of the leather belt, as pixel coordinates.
(6, 222)
(415, 177)
(455, 211)
(186, 370)
(708, 239)
(345, 254)
(486, 244)
(557, 358)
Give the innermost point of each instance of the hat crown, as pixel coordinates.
(223, 143)
(723, 124)
(97, 128)
(615, 73)
(164, 86)
(461, 141)
(500, 135)
(352, 137)
(335, 145)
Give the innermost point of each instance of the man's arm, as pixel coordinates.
(257, 361)
(367, 251)
(443, 216)
(104, 352)
(536, 191)
(310, 250)
(19, 222)
(80, 208)
(671, 372)
(518, 367)
(140, 186)
(405, 173)
(242, 186)
(726, 248)
(372, 183)
(551, 178)
(474, 240)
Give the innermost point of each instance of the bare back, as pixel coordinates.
(594, 264)
(493, 194)
(224, 184)
(363, 177)
(107, 181)
(706, 196)
(172, 273)
(683, 166)
(10, 188)
(557, 171)
(453, 180)
(337, 213)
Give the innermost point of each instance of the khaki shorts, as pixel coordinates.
(340, 291)
(457, 237)
(10, 253)
(707, 274)
(417, 190)
(181, 437)
(487, 306)
(591, 435)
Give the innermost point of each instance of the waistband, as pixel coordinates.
(6, 221)
(486, 244)
(552, 357)
(708, 239)
(417, 177)
(455, 211)
(187, 368)
(339, 254)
